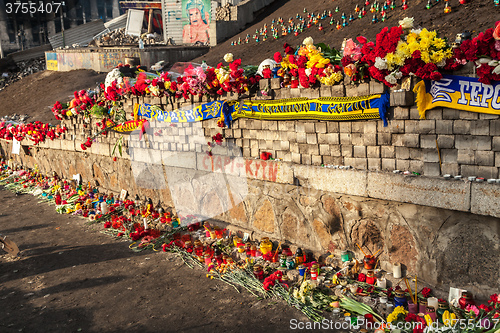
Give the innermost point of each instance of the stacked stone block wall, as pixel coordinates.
(446, 231)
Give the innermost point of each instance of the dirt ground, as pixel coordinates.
(35, 94)
(72, 278)
(475, 16)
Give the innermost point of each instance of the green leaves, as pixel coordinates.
(330, 53)
(99, 111)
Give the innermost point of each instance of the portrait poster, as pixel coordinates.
(196, 21)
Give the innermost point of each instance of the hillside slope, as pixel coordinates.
(475, 16)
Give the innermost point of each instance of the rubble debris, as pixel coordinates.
(15, 118)
(22, 69)
(119, 38)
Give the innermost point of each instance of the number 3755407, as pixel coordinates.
(30, 7)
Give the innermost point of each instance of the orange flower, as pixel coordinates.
(350, 69)
(496, 33)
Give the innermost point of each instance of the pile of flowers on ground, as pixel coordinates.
(348, 289)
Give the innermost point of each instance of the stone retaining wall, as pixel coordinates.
(446, 231)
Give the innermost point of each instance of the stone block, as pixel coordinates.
(295, 147)
(350, 182)
(428, 141)
(484, 199)
(436, 114)
(431, 169)
(276, 83)
(332, 126)
(466, 156)
(301, 137)
(377, 87)
(414, 113)
(427, 126)
(468, 115)
(497, 159)
(396, 126)
(324, 149)
(370, 127)
(461, 127)
(444, 141)
(345, 138)
(346, 150)
(316, 160)
(311, 138)
(322, 138)
(401, 112)
(338, 90)
(450, 114)
(345, 127)
(325, 91)
(335, 150)
(359, 163)
(373, 151)
(310, 127)
(487, 172)
(496, 143)
(306, 159)
(468, 170)
(313, 149)
(450, 169)
(449, 155)
(359, 151)
(388, 164)
(406, 140)
(357, 139)
(420, 190)
(351, 91)
(294, 92)
(332, 160)
(416, 166)
(357, 127)
(300, 127)
(485, 158)
(101, 149)
(387, 151)
(402, 98)
(488, 116)
(474, 142)
(363, 89)
(402, 153)
(320, 127)
(384, 139)
(430, 155)
(68, 145)
(270, 125)
(286, 125)
(403, 165)
(495, 127)
(412, 126)
(264, 83)
(374, 164)
(480, 127)
(296, 158)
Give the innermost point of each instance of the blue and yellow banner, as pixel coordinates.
(458, 92)
(324, 108)
(202, 112)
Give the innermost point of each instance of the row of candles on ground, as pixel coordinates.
(314, 19)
